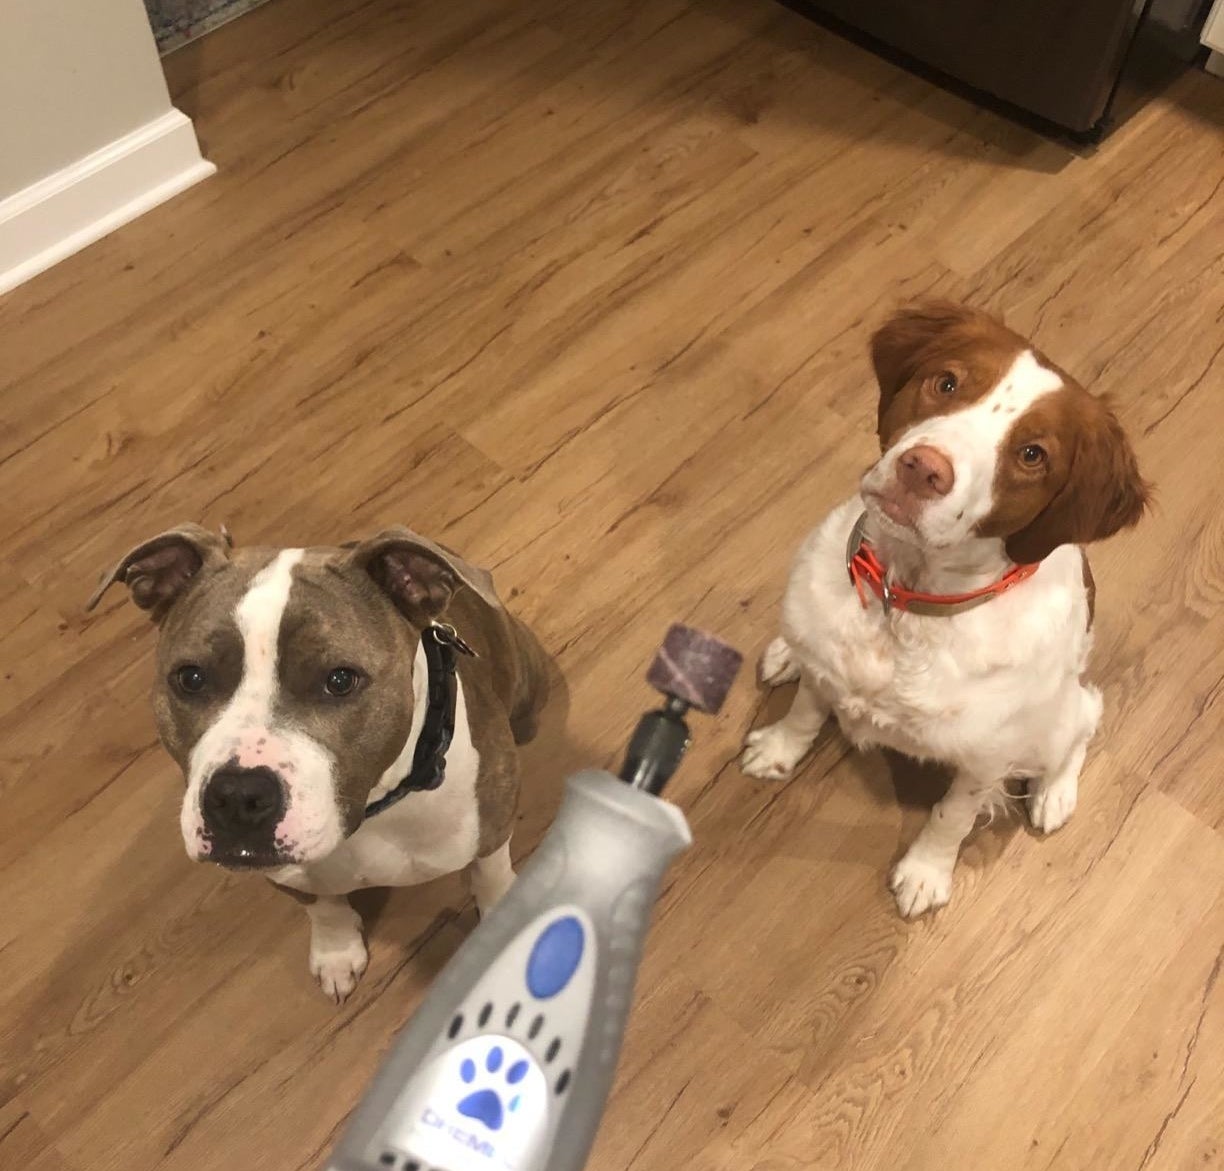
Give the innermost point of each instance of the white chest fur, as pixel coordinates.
(936, 688)
(423, 836)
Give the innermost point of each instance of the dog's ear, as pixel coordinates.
(897, 346)
(418, 575)
(1103, 494)
(159, 570)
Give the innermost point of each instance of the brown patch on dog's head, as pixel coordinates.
(935, 358)
(199, 628)
(338, 618)
(1086, 486)
(362, 609)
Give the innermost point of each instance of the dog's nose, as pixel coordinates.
(238, 801)
(926, 472)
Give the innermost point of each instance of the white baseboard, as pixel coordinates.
(69, 210)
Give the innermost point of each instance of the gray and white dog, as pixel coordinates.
(304, 692)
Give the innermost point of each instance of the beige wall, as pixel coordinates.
(1213, 31)
(74, 76)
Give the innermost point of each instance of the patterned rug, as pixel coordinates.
(177, 22)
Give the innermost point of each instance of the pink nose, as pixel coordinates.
(926, 472)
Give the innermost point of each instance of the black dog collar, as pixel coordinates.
(429, 759)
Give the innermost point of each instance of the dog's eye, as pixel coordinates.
(190, 679)
(341, 681)
(946, 383)
(1032, 455)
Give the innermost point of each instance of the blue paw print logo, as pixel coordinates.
(488, 1103)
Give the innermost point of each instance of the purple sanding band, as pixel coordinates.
(695, 667)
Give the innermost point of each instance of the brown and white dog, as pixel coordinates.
(945, 612)
(292, 689)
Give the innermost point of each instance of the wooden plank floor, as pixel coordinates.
(585, 289)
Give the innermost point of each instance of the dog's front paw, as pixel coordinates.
(921, 884)
(771, 753)
(1051, 805)
(778, 664)
(337, 961)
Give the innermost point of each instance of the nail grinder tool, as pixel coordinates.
(509, 1061)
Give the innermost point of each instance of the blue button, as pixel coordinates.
(555, 957)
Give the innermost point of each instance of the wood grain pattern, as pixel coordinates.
(585, 290)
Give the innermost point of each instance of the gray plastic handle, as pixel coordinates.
(605, 854)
